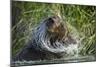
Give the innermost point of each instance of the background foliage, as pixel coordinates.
(27, 15)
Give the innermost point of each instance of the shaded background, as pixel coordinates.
(27, 15)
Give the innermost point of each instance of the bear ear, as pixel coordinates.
(56, 17)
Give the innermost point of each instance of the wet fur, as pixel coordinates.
(49, 41)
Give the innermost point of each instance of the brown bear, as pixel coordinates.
(49, 41)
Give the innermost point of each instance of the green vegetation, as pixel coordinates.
(27, 15)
